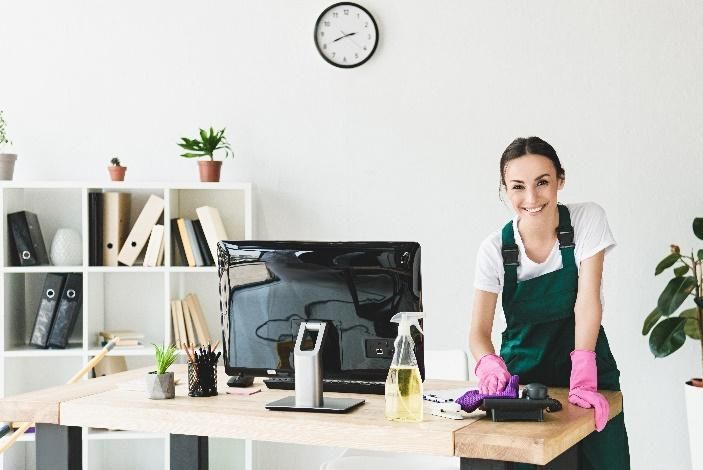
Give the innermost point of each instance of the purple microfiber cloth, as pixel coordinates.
(473, 398)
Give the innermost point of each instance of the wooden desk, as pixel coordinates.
(100, 403)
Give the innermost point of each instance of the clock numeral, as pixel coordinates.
(369, 36)
(322, 33)
(345, 58)
(364, 47)
(324, 46)
(346, 12)
(366, 25)
(358, 15)
(335, 14)
(326, 23)
(356, 55)
(334, 54)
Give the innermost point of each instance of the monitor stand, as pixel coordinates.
(241, 381)
(329, 405)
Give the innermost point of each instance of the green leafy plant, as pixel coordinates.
(3, 131)
(115, 161)
(210, 141)
(667, 333)
(165, 357)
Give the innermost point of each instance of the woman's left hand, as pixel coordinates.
(583, 386)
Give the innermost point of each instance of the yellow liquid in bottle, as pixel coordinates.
(404, 394)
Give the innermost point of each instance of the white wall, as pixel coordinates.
(404, 147)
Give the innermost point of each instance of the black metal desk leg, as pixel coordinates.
(59, 447)
(188, 452)
(566, 461)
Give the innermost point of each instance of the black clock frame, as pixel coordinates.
(317, 44)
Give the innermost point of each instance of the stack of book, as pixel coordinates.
(195, 241)
(59, 307)
(112, 242)
(128, 339)
(189, 325)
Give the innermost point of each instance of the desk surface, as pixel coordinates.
(100, 403)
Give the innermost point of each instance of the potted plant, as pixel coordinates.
(210, 141)
(160, 384)
(7, 160)
(116, 170)
(667, 332)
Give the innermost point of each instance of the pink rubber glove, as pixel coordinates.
(583, 386)
(492, 373)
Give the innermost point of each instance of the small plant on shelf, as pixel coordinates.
(160, 384)
(7, 160)
(117, 171)
(210, 141)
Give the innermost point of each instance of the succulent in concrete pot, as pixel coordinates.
(160, 384)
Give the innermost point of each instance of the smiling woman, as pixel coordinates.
(548, 263)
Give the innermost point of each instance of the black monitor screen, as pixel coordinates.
(268, 288)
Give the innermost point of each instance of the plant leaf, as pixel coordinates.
(691, 325)
(192, 155)
(681, 270)
(666, 263)
(675, 293)
(698, 227)
(700, 255)
(667, 337)
(650, 321)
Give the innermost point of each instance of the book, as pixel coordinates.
(178, 253)
(154, 246)
(202, 244)
(67, 311)
(180, 321)
(116, 208)
(121, 334)
(199, 261)
(175, 333)
(141, 230)
(95, 229)
(198, 319)
(26, 239)
(213, 227)
(192, 340)
(51, 291)
(187, 247)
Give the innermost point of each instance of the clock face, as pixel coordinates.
(346, 35)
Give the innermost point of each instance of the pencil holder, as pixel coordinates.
(202, 380)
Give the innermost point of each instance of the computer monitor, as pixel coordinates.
(267, 288)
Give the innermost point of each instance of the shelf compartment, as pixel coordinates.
(122, 301)
(23, 293)
(126, 453)
(26, 374)
(205, 285)
(55, 208)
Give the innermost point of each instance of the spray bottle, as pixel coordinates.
(404, 384)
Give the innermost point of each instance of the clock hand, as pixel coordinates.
(345, 36)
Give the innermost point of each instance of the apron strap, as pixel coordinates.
(511, 254)
(511, 260)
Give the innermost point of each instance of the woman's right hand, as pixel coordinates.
(492, 373)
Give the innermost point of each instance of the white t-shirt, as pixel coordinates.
(591, 235)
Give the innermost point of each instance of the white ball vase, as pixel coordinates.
(66, 248)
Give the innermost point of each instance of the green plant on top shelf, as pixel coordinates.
(165, 357)
(4, 140)
(210, 141)
(115, 161)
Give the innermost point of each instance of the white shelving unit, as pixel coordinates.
(114, 298)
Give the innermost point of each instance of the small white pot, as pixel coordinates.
(160, 387)
(7, 165)
(694, 411)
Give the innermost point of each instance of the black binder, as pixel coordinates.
(202, 243)
(53, 285)
(26, 237)
(95, 228)
(67, 311)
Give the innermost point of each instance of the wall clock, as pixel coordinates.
(346, 35)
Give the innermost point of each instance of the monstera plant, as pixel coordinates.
(668, 331)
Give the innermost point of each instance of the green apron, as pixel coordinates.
(540, 336)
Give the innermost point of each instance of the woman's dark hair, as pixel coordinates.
(531, 145)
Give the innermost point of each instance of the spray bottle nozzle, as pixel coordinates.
(406, 319)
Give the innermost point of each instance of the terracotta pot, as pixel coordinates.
(7, 165)
(209, 170)
(117, 172)
(694, 411)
